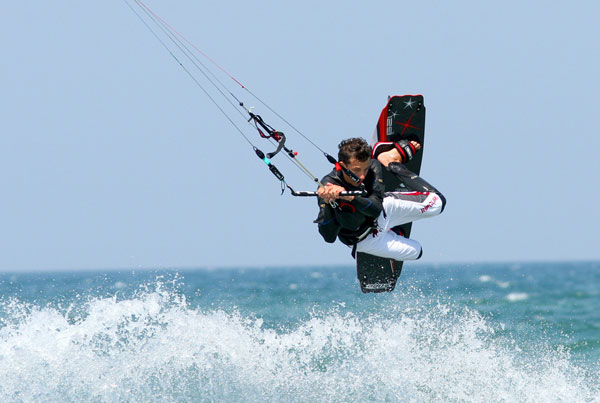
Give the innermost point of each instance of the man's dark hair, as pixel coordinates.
(356, 148)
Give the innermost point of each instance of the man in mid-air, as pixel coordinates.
(367, 223)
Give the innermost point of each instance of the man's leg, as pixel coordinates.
(393, 155)
(418, 199)
(400, 208)
(412, 181)
(404, 207)
(390, 245)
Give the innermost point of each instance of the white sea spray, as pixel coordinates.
(154, 346)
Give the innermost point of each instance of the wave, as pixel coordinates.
(154, 346)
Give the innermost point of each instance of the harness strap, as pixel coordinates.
(372, 230)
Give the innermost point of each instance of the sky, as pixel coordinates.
(111, 157)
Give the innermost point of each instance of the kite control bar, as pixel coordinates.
(284, 184)
(303, 193)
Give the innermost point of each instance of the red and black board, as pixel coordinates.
(402, 118)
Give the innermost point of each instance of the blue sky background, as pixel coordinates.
(111, 157)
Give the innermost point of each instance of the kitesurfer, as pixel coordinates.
(368, 223)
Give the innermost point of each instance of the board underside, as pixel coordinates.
(402, 118)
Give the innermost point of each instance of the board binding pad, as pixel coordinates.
(402, 118)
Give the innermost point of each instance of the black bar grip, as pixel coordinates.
(303, 193)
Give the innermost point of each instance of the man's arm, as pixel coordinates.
(329, 228)
(372, 205)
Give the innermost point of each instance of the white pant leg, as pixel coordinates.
(390, 245)
(400, 208)
(404, 207)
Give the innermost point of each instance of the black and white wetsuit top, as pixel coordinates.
(351, 221)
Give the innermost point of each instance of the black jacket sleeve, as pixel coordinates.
(372, 205)
(329, 228)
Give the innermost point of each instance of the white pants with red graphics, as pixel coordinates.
(400, 208)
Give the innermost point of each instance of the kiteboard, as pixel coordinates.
(402, 118)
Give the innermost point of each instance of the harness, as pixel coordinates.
(368, 231)
(371, 230)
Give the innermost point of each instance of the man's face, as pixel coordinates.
(359, 168)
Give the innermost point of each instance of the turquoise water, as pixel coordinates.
(526, 332)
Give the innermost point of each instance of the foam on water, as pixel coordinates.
(517, 296)
(153, 347)
(487, 279)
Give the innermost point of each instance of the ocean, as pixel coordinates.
(501, 332)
